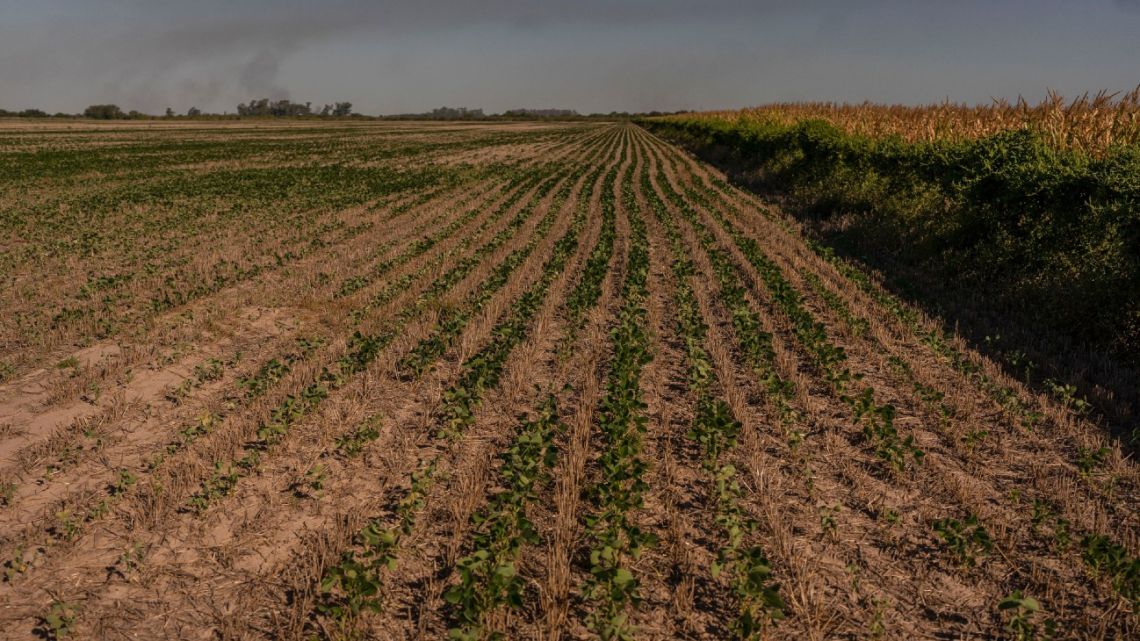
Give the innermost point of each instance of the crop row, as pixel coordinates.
(165, 272)
(715, 429)
(452, 320)
(361, 351)
(876, 419)
(352, 284)
(614, 538)
(255, 384)
(288, 186)
(589, 289)
(479, 373)
(967, 539)
(465, 265)
(1102, 556)
(354, 584)
(488, 575)
(754, 342)
(86, 506)
(137, 157)
(484, 369)
(934, 338)
(518, 182)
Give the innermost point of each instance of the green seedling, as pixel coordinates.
(70, 362)
(125, 480)
(59, 621)
(311, 485)
(967, 540)
(1022, 612)
(1089, 460)
(353, 443)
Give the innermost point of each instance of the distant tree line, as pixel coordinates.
(455, 113)
(465, 113)
(254, 108)
(286, 108)
(26, 113)
(266, 108)
(541, 113)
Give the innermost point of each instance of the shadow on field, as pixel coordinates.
(1059, 339)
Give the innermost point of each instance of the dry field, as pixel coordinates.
(404, 381)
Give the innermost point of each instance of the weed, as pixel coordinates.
(70, 362)
(353, 442)
(1110, 560)
(211, 370)
(203, 425)
(67, 527)
(130, 561)
(967, 540)
(829, 519)
(1041, 512)
(1067, 396)
(59, 620)
(1062, 535)
(126, 479)
(220, 483)
(878, 626)
(21, 562)
(1022, 610)
(973, 438)
(1089, 460)
(311, 484)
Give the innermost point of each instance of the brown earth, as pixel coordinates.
(143, 499)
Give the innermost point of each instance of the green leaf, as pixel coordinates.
(623, 577)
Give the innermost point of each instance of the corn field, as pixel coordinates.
(1091, 124)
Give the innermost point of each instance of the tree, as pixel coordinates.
(104, 112)
(342, 109)
(455, 113)
(265, 106)
(254, 108)
(169, 112)
(278, 108)
(193, 111)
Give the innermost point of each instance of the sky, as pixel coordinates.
(400, 56)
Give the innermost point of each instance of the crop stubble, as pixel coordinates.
(542, 381)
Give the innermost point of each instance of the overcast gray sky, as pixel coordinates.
(390, 56)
